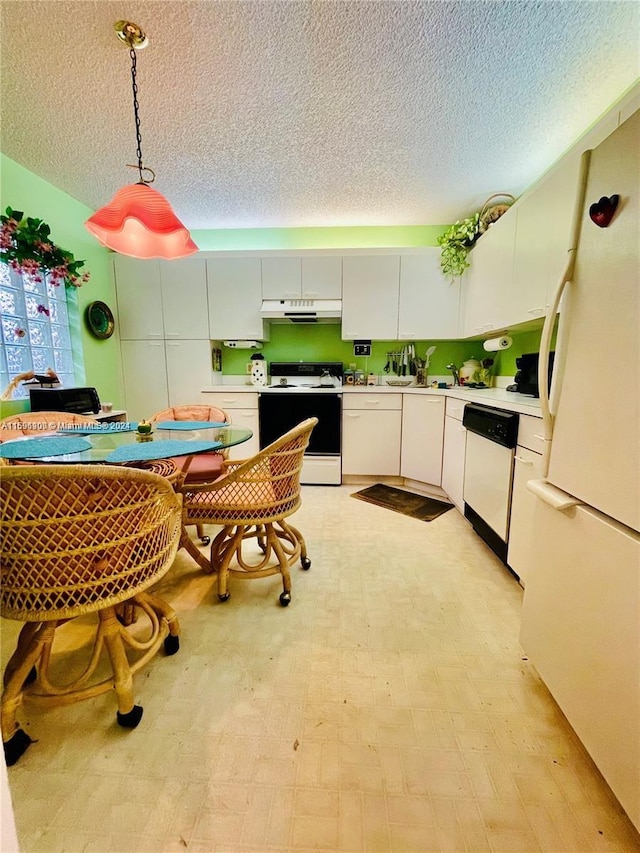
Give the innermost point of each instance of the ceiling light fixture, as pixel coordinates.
(139, 221)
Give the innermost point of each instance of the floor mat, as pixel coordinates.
(408, 503)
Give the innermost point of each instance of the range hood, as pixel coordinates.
(302, 310)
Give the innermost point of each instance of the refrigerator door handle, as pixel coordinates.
(552, 310)
(552, 495)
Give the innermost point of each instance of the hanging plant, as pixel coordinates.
(26, 246)
(456, 242)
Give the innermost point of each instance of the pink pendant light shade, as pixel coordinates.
(139, 221)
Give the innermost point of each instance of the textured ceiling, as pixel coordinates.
(266, 114)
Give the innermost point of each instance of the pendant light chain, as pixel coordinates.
(134, 86)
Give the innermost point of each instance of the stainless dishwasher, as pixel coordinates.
(488, 473)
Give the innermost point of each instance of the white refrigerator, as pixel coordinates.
(581, 608)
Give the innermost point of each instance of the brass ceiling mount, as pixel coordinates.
(131, 34)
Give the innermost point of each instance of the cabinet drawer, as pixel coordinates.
(230, 400)
(530, 433)
(372, 401)
(454, 408)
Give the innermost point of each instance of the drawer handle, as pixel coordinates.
(537, 312)
(352, 415)
(539, 437)
(523, 461)
(462, 429)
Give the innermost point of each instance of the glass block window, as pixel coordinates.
(34, 324)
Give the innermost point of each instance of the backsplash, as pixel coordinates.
(323, 343)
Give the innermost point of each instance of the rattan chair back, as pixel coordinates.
(191, 413)
(79, 538)
(258, 490)
(40, 423)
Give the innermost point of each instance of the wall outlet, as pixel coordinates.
(362, 348)
(248, 366)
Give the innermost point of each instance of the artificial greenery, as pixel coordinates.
(26, 246)
(456, 242)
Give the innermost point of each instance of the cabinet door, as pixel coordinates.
(281, 278)
(139, 298)
(322, 277)
(487, 282)
(188, 370)
(422, 426)
(370, 289)
(234, 286)
(371, 442)
(184, 299)
(455, 437)
(528, 466)
(145, 378)
(428, 300)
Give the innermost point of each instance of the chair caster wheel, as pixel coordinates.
(285, 599)
(305, 562)
(130, 720)
(205, 540)
(225, 596)
(16, 746)
(171, 645)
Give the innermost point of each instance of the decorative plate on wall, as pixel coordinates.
(99, 319)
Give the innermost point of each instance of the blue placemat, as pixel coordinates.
(44, 445)
(190, 424)
(142, 450)
(100, 429)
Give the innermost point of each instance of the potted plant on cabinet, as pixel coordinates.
(455, 243)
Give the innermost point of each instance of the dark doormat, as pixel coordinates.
(408, 503)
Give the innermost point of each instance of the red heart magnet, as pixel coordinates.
(601, 212)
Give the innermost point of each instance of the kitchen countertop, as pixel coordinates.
(500, 398)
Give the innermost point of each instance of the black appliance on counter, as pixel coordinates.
(526, 378)
(77, 401)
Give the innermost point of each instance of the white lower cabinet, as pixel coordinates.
(144, 366)
(242, 409)
(422, 425)
(188, 370)
(158, 374)
(528, 466)
(371, 432)
(453, 454)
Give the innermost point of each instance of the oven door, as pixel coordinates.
(282, 410)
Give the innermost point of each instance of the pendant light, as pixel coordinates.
(139, 221)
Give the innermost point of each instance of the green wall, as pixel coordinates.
(323, 343)
(22, 190)
(348, 237)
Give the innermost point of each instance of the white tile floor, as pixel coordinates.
(389, 708)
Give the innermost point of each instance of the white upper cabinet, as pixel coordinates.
(322, 277)
(486, 284)
(306, 277)
(370, 291)
(184, 299)
(161, 299)
(235, 298)
(429, 302)
(139, 298)
(281, 278)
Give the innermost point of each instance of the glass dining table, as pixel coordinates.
(122, 443)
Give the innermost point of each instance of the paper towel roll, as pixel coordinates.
(496, 344)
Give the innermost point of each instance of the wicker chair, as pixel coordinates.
(39, 423)
(203, 467)
(80, 539)
(251, 500)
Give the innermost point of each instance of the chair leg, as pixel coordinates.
(202, 536)
(167, 614)
(283, 560)
(223, 548)
(32, 644)
(305, 562)
(129, 714)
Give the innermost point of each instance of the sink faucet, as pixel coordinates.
(454, 373)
